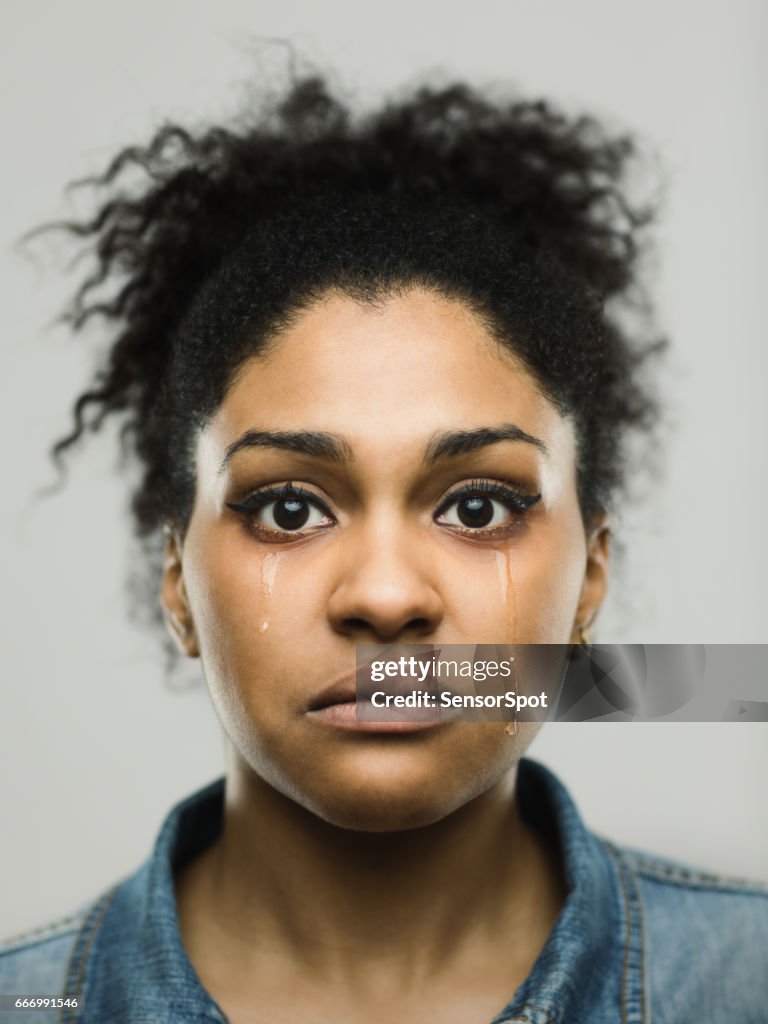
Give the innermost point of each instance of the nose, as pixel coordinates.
(386, 588)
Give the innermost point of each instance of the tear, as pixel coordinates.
(268, 573)
(508, 594)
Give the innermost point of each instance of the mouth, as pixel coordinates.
(347, 705)
(341, 691)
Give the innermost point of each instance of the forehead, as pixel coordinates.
(395, 372)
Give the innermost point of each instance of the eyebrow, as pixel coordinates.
(334, 448)
(445, 446)
(306, 442)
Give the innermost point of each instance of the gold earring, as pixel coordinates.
(584, 638)
(511, 728)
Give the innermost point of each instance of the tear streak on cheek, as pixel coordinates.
(268, 575)
(508, 594)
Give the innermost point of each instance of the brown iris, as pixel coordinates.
(475, 511)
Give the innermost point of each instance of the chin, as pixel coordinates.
(382, 796)
(380, 811)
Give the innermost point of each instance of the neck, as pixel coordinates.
(336, 899)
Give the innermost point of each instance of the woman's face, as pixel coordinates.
(435, 502)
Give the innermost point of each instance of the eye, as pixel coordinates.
(484, 505)
(286, 509)
(290, 514)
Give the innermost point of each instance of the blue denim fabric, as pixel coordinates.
(639, 940)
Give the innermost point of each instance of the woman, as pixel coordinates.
(378, 380)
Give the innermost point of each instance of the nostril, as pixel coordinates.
(356, 624)
(420, 626)
(414, 627)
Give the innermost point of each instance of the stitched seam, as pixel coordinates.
(625, 966)
(81, 950)
(695, 879)
(54, 930)
(536, 1009)
(641, 926)
(702, 884)
(548, 1020)
(622, 869)
(628, 931)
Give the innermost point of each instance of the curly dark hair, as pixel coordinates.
(514, 208)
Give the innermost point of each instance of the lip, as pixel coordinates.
(345, 716)
(337, 707)
(341, 691)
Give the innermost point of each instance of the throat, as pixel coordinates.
(470, 900)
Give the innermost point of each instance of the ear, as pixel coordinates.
(595, 576)
(174, 599)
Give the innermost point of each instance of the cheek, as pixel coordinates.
(258, 614)
(247, 609)
(543, 584)
(241, 612)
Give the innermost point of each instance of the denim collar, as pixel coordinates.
(129, 964)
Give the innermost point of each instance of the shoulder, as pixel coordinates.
(705, 938)
(676, 873)
(36, 962)
(668, 883)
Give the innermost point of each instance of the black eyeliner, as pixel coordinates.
(519, 501)
(257, 499)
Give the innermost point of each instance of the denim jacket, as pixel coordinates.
(639, 939)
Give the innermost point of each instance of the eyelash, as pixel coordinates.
(258, 500)
(518, 503)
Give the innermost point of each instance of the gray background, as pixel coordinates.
(94, 747)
